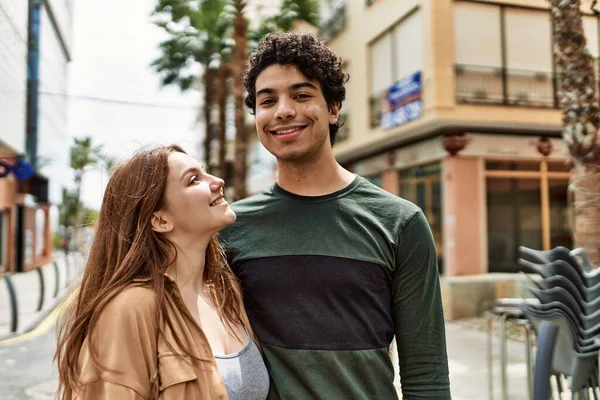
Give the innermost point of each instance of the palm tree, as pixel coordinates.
(215, 34)
(83, 156)
(245, 39)
(109, 164)
(581, 121)
(240, 55)
(196, 36)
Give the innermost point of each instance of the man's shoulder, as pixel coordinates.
(253, 203)
(379, 200)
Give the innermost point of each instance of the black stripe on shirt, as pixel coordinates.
(318, 302)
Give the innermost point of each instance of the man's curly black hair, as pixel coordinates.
(310, 55)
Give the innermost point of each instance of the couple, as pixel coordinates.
(331, 267)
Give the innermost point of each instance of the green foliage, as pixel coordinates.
(197, 34)
(84, 154)
(68, 208)
(291, 11)
(109, 164)
(90, 216)
(200, 32)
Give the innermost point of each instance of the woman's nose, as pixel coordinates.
(217, 184)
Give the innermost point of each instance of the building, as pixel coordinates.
(33, 73)
(454, 105)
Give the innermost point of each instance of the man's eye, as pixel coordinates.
(302, 96)
(266, 102)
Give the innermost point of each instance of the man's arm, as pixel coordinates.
(418, 314)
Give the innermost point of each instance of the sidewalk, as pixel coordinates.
(27, 288)
(467, 361)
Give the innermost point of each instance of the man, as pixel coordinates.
(332, 267)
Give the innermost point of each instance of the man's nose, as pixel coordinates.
(285, 109)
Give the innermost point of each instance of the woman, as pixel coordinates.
(159, 314)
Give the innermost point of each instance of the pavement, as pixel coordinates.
(58, 278)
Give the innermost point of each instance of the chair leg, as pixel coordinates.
(547, 335)
(490, 325)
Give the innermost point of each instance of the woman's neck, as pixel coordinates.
(188, 268)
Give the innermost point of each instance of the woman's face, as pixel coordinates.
(194, 202)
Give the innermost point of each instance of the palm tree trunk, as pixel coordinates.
(208, 103)
(222, 104)
(581, 121)
(240, 35)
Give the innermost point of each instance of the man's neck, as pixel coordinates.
(319, 178)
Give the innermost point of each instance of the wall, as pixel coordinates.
(13, 73)
(365, 24)
(53, 138)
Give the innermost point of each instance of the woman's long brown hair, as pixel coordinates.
(126, 248)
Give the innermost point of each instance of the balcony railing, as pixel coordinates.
(489, 85)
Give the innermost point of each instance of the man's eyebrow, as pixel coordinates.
(265, 90)
(300, 85)
(293, 87)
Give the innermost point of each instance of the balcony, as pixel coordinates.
(500, 86)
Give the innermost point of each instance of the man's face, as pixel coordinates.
(292, 116)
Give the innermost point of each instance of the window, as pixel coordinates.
(478, 53)
(477, 35)
(407, 38)
(422, 186)
(516, 215)
(395, 55)
(528, 36)
(503, 54)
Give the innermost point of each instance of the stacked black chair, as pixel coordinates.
(566, 320)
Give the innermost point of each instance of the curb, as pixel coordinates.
(35, 323)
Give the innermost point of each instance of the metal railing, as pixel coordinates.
(502, 86)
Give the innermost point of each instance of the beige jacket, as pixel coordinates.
(138, 363)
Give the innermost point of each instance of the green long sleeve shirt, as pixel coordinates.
(328, 282)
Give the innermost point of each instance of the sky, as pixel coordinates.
(114, 43)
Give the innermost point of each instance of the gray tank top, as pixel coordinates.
(244, 373)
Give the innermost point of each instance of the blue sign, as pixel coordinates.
(402, 102)
(21, 170)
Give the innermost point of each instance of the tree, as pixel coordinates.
(83, 155)
(238, 62)
(215, 34)
(197, 34)
(581, 121)
(109, 164)
(245, 39)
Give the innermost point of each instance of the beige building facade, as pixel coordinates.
(454, 105)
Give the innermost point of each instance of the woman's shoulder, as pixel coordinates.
(134, 300)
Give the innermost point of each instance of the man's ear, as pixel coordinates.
(334, 113)
(160, 223)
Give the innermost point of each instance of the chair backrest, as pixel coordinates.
(566, 358)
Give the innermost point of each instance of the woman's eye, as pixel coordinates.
(194, 179)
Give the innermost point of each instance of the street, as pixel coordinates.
(27, 371)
